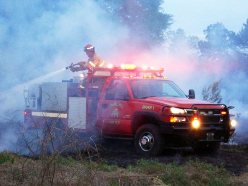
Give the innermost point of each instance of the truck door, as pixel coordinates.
(116, 109)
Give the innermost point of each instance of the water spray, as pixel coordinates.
(34, 81)
(7, 97)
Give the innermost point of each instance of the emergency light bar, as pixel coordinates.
(134, 67)
(130, 70)
(128, 66)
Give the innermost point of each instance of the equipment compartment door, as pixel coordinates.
(116, 109)
(77, 112)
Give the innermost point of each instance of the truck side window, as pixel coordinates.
(117, 91)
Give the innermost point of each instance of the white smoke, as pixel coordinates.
(39, 37)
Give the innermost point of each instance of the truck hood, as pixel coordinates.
(175, 102)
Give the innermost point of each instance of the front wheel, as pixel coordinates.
(148, 140)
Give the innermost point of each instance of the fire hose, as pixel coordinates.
(77, 66)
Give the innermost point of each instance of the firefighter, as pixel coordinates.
(93, 60)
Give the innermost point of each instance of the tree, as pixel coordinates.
(178, 42)
(212, 93)
(243, 36)
(242, 44)
(144, 18)
(218, 39)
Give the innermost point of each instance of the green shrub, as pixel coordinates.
(5, 157)
(191, 173)
(66, 160)
(174, 175)
(147, 167)
(106, 167)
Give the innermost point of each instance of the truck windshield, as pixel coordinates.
(144, 88)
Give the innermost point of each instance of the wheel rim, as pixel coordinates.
(146, 141)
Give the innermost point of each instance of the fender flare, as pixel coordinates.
(143, 117)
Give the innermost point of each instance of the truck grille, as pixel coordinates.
(208, 116)
(211, 119)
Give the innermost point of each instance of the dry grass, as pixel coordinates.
(52, 167)
(242, 179)
(69, 171)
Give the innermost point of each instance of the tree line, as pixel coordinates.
(149, 27)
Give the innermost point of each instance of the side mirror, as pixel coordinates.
(191, 94)
(231, 107)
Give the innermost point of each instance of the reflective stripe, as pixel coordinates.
(92, 64)
(50, 114)
(89, 47)
(102, 63)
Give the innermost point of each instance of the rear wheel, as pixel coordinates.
(148, 140)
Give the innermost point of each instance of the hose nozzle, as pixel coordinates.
(69, 67)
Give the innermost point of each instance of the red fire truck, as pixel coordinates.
(130, 102)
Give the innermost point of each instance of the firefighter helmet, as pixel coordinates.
(89, 47)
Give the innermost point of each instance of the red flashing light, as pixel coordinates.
(26, 113)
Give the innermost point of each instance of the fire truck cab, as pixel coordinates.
(133, 103)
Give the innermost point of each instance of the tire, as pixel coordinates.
(148, 141)
(206, 147)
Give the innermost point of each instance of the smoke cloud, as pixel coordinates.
(38, 38)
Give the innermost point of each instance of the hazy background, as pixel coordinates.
(197, 42)
(193, 16)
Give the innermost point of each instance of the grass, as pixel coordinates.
(147, 167)
(66, 161)
(18, 170)
(201, 173)
(101, 166)
(192, 172)
(6, 157)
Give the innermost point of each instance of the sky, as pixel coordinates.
(193, 16)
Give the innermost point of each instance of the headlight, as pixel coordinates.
(175, 110)
(233, 123)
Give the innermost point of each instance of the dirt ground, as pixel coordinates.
(233, 157)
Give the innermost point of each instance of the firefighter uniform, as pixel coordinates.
(93, 61)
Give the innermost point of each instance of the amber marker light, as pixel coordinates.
(196, 123)
(128, 66)
(223, 112)
(179, 119)
(173, 119)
